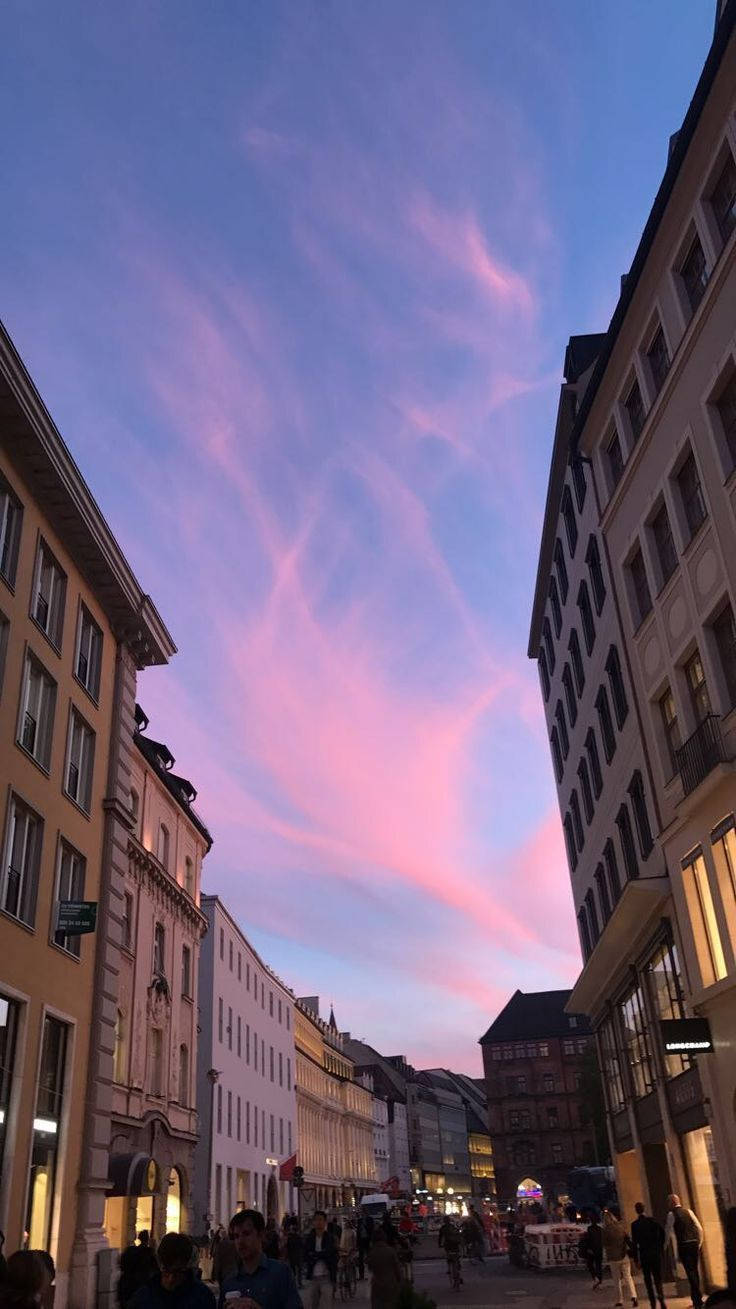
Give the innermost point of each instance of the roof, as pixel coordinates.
(36, 448)
(534, 1014)
(366, 1058)
(582, 351)
(182, 792)
(216, 904)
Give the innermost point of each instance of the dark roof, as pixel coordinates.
(582, 351)
(161, 760)
(535, 1014)
(388, 1079)
(477, 1125)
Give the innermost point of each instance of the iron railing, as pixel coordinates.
(700, 753)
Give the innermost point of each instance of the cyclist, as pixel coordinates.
(450, 1241)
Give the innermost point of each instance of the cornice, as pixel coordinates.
(155, 871)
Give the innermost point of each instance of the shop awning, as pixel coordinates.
(286, 1170)
(638, 903)
(132, 1174)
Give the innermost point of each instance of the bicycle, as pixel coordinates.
(347, 1281)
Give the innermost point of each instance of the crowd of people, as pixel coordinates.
(26, 1279)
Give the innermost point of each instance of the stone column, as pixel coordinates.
(93, 1267)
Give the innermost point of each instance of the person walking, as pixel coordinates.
(647, 1242)
(616, 1246)
(685, 1229)
(385, 1270)
(295, 1251)
(225, 1257)
(260, 1282)
(174, 1283)
(363, 1242)
(591, 1248)
(320, 1257)
(138, 1264)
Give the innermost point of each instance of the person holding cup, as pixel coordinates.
(260, 1283)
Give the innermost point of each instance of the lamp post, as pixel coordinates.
(213, 1078)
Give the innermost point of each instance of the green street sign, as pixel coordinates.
(76, 917)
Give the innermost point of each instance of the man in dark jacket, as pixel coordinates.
(687, 1231)
(647, 1240)
(591, 1248)
(175, 1285)
(295, 1250)
(137, 1265)
(320, 1257)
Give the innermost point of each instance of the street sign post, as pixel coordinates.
(76, 917)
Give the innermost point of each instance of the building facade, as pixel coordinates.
(154, 1118)
(534, 1056)
(389, 1079)
(335, 1115)
(647, 424)
(246, 1078)
(75, 628)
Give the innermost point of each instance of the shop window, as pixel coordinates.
(47, 1133)
(611, 1064)
(636, 1043)
(708, 945)
(666, 988)
(9, 1018)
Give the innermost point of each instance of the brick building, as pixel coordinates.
(535, 1057)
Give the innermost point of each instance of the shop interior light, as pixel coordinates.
(2, 1116)
(44, 1125)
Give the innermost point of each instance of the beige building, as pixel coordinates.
(74, 627)
(154, 1119)
(334, 1115)
(640, 536)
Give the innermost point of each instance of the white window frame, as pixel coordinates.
(90, 682)
(53, 624)
(28, 873)
(80, 755)
(44, 707)
(9, 531)
(71, 944)
(163, 850)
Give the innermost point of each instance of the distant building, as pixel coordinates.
(535, 1056)
(246, 1078)
(389, 1084)
(472, 1092)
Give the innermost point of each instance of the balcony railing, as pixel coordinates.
(701, 753)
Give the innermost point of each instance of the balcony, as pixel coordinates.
(701, 753)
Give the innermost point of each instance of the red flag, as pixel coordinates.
(286, 1171)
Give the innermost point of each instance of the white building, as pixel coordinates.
(245, 1077)
(381, 1157)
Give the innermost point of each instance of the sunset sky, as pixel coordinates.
(295, 281)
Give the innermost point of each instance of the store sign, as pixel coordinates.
(76, 917)
(686, 1036)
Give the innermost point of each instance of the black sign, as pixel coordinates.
(76, 917)
(686, 1036)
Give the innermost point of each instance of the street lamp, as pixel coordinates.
(213, 1077)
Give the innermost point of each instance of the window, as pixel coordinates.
(230, 1113)
(611, 1067)
(693, 503)
(70, 886)
(663, 543)
(603, 896)
(548, 1082)
(220, 1019)
(531, 1050)
(240, 1037)
(544, 1050)
(47, 1134)
(240, 967)
(568, 514)
(183, 1074)
(288, 1066)
(577, 821)
(49, 593)
(135, 805)
(222, 944)
(724, 631)
(37, 712)
(270, 1004)
(615, 460)
(556, 1152)
(561, 567)
(513, 1119)
(592, 915)
(157, 1046)
(576, 659)
(11, 518)
(186, 971)
(659, 360)
(726, 406)
(606, 723)
(555, 603)
(586, 944)
(281, 1069)
(164, 842)
(634, 406)
(230, 944)
(616, 681)
(666, 987)
(572, 852)
(568, 1047)
(548, 644)
(585, 791)
(271, 1063)
(120, 1052)
(521, 1085)
(127, 926)
(578, 480)
(280, 1012)
(4, 634)
(238, 1118)
(562, 728)
(723, 199)
(22, 861)
(189, 885)
(586, 616)
(89, 653)
(668, 714)
(229, 1027)
(626, 836)
(640, 586)
(703, 917)
(496, 1052)
(543, 673)
(593, 560)
(80, 761)
(219, 1108)
(159, 950)
(641, 817)
(591, 749)
(614, 881)
(698, 688)
(694, 274)
(572, 708)
(634, 1032)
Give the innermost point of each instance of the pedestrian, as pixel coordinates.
(616, 1248)
(320, 1256)
(260, 1282)
(225, 1257)
(295, 1251)
(385, 1270)
(26, 1281)
(271, 1242)
(686, 1230)
(363, 1243)
(174, 1283)
(647, 1241)
(591, 1248)
(137, 1265)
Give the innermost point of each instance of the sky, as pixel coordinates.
(295, 281)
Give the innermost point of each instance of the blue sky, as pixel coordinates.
(295, 281)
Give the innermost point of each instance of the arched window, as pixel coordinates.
(120, 1051)
(163, 845)
(189, 876)
(173, 1199)
(183, 1074)
(159, 950)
